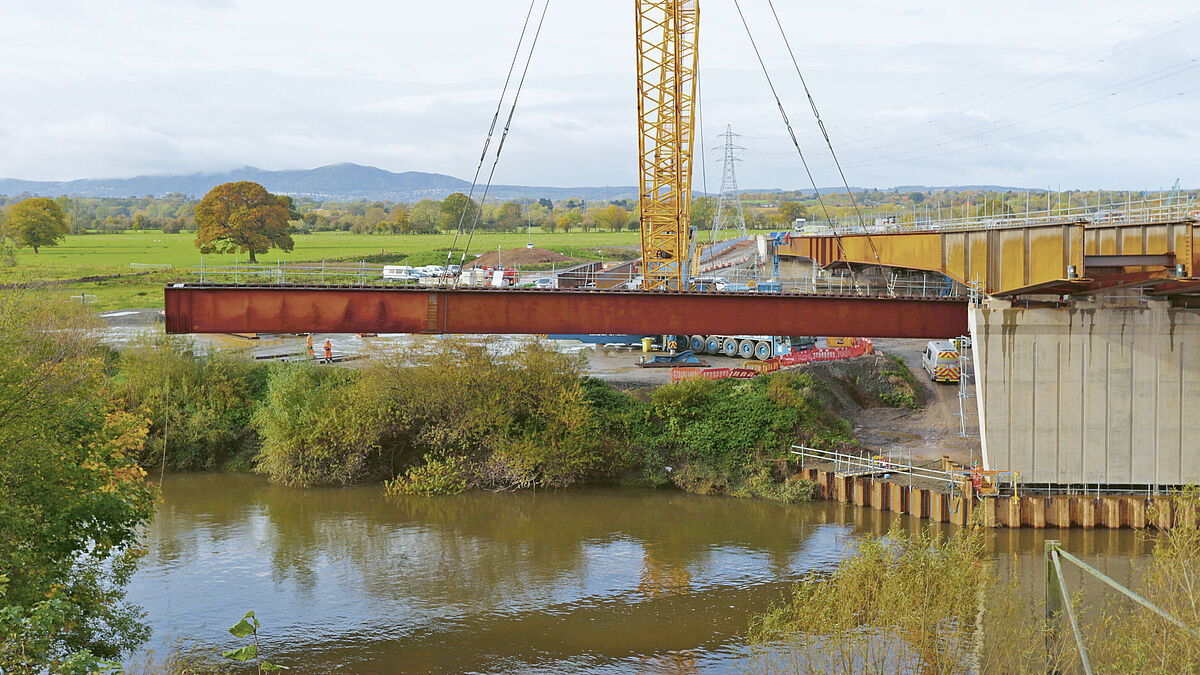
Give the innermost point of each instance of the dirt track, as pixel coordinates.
(928, 433)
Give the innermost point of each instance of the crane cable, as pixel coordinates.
(503, 136)
(791, 132)
(821, 125)
(491, 130)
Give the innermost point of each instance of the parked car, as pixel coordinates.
(544, 283)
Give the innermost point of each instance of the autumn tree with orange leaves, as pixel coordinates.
(243, 217)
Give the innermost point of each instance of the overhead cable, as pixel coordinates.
(503, 136)
(491, 130)
(791, 132)
(821, 126)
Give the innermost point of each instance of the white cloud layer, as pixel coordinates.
(1073, 93)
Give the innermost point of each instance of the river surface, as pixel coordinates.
(591, 580)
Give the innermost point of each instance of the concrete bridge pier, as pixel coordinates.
(1102, 391)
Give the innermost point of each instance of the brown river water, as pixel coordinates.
(595, 580)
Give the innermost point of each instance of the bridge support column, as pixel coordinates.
(1089, 393)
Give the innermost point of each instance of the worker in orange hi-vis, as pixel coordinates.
(308, 346)
(328, 350)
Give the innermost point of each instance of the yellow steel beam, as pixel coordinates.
(666, 72)
(1009, 261)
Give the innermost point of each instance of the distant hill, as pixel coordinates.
(351, 182)
(336, 182)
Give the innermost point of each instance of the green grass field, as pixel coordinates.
(110, 255)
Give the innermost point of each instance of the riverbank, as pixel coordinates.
(455, 415)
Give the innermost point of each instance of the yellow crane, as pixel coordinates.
(666, 68)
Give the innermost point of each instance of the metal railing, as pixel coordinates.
(890, 462)
(1132, 212)
(927, 285)
(986, 483)
(1058, 600)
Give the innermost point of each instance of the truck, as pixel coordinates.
(761, 347)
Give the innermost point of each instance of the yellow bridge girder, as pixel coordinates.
(1007, 261)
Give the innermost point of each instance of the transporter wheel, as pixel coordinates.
(762, 350)
(746, 349)
(696, 343)
(712, 345)
(729, 347)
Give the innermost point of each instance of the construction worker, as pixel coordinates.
(328, 350)
(308, 346)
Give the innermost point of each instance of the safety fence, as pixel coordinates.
(1132, 212)
(1058, 600)
(751, 369)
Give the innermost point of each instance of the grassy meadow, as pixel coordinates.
(99, 264)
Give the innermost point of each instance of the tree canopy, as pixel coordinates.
(458, 212)
(72, 496)
(243, 217)
(35, 222)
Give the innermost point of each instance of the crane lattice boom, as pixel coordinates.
(666, 69)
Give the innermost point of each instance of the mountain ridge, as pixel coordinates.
(347, 181)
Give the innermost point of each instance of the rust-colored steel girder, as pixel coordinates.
(213, 308)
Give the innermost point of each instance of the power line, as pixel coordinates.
(1002, 92)
(729, 199)
(1078, 102)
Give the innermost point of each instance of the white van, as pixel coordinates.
(940, 360)
(400, 273)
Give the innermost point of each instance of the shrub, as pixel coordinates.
(320, 426)
(200, 407)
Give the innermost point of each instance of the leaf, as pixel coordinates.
(242, 654)
(267, 665)
(242, 629)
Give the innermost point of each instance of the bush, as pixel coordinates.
(320, 426)
(200, 407)
(501, 420)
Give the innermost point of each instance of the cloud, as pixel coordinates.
(947, 90)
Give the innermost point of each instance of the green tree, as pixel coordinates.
(244, 217)
(425, 216)
(509, 217)
(568, 220)
(789, 212)
(35, 222)
(612, 218)
(458, 211)
(703, 211)
(72, 497)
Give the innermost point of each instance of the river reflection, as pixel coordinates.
(597, 580)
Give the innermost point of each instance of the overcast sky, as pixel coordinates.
(1071, 93)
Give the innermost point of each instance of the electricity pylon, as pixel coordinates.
(729, 213)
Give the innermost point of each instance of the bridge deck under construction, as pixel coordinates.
(227, 308)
